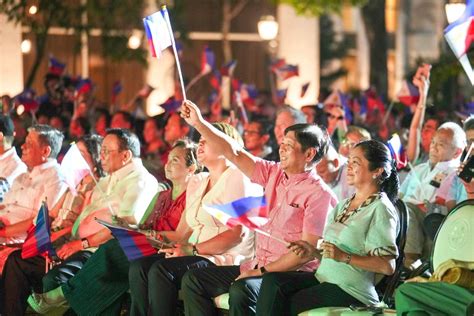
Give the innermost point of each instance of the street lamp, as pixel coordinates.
(454, 10)
(25, 46)
(267, 28)
(134, 41)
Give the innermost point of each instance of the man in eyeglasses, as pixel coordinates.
(256, 137)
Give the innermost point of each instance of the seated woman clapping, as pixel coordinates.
(359, 241)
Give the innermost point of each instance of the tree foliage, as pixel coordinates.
(320, 7)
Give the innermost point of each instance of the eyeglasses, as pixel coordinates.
(330, 116)
(106, 152)
(348, 143)
(251, 132)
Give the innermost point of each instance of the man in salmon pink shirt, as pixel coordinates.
(298, 202)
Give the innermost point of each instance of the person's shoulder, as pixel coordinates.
(383, 204)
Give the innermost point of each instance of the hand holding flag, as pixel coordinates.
(38, 241)
(134, 244)
(250, 212)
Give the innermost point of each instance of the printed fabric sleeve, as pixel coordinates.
(382, 233)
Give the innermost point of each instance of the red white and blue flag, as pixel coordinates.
(339, 99)
(84, 86)
(133, 243)
(286, 71)
(27, 99)
(408, 94)
(55, 66)
(38, 241)
(460, 36)
(397, 151)
(171, 105)
(251, 212)
(228, 68)
(207, 60)
(74, 168)
(157, 30)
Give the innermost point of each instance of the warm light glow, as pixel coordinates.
(134, 41)
(33, 10)
(20, 109)
(26, 46)
(454, 11)
(267, 27)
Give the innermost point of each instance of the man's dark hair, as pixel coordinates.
(84, 124)
(127, 140)
(126, 116)
(265, 126)
(49, 136)
(311, 136)
(469, 123)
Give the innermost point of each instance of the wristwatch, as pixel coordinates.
(263, 270)
(85, 243)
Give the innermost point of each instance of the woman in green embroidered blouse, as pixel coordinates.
(359, 241)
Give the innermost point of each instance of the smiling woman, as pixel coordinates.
(359, 241)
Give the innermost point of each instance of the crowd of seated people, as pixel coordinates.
(330, 189)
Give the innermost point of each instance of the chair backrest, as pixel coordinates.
(455, 236)
(392, 281)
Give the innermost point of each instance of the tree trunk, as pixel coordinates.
(373, 14)
(41, 39)
(226, 20)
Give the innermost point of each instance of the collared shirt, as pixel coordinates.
(297, 204)
(423, 182)
(30, 189)
(230, 186)
(126, 192)
(11, 167)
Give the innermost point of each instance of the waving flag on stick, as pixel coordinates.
(460, 36)
(38, 241)
(250, 212)
(396, 148)
(55, 66)
(134, 244)
(408, 94)
(160, 36)
(228, 69)
(208, 60)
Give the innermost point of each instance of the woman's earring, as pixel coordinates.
(374, 176)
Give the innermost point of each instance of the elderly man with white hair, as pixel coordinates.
(421, 185)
